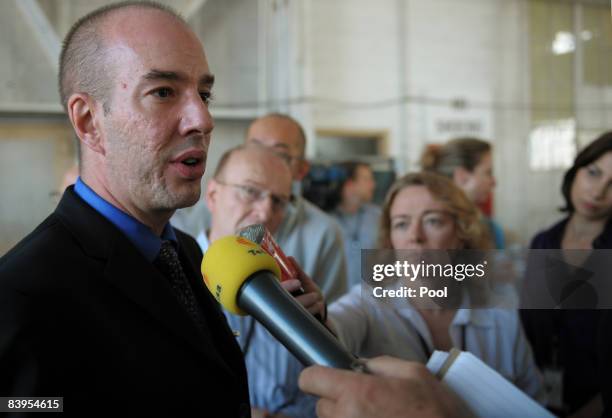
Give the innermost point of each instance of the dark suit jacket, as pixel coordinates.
(85, 316)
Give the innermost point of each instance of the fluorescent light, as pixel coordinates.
(564, 43)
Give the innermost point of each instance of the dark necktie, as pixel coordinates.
(168, 262)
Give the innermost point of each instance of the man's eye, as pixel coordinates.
(163, 92)
(252, 192)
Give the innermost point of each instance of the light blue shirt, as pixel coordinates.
(271, 369)
(359, 232)
(315, 240)
(138, 233)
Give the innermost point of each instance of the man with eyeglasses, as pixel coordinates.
(306, 233)
(303, 231)
(252, 185)
(315, 240)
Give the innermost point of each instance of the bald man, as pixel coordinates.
(307, 233)
(252, 185)
(314, 239)
(104, 304)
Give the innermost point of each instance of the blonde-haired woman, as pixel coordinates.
(426, 211)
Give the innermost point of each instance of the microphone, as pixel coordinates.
(243, 277)
(259, 234)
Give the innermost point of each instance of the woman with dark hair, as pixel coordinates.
(565, 341)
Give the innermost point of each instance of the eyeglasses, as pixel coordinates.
(252, 194)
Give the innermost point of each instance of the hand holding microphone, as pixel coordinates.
(310, 296)
(244, 279)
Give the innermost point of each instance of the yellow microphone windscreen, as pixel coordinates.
(228, 262)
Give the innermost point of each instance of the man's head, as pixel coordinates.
(358, 187)
(286, 136)
(252, 185)
(139, 105)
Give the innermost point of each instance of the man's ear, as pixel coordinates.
(461, 176)
(303, 169)
(83, 114)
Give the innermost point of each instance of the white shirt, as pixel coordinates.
(370, 327)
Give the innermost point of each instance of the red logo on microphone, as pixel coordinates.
(244, 241)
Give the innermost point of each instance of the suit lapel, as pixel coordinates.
(215, 318)
(129, 272)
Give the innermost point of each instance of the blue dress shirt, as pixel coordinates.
(140, 234)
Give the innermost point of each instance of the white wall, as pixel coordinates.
(363, 52)
(355, 67)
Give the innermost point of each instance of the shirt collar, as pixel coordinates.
(138, 233)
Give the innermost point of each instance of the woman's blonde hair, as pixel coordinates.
(471, 231)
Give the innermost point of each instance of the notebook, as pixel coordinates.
(485, 392)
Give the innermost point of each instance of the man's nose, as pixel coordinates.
(195, 117)
(264, 209)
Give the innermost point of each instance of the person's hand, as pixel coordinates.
(395, 389)
(312, 299)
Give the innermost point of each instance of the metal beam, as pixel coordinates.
(47, 37)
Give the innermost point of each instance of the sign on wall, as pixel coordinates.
(444, 123)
